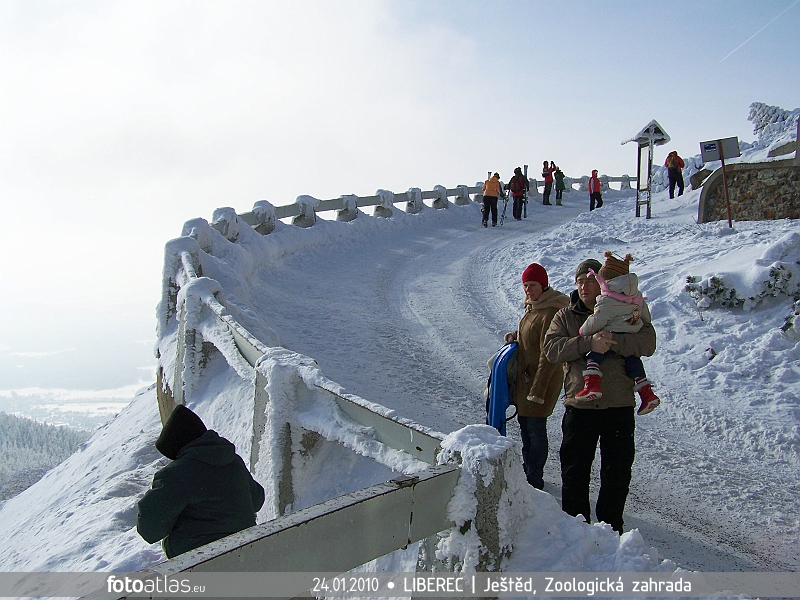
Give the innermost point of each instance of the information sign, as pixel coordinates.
(709, 151)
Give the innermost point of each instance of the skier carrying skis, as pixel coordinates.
(519, 186)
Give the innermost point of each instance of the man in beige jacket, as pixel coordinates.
(608, 420)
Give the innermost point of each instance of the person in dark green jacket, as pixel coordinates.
(205, 494)
(560, 186)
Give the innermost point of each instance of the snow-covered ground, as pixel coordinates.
(405, 311)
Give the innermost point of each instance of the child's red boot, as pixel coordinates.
(591, 386)
(649, 400)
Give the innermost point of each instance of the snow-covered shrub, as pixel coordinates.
(789, 322)
(769, 121)
(712, 289)
(709, 290)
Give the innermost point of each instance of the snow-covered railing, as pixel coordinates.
(305, 208)
(449, 492)
(625, 182)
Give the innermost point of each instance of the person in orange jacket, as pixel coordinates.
(492, 190)
(674, 164)
(595, 196)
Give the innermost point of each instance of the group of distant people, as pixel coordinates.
(494, 189)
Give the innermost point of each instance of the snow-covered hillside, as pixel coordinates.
(405, 311)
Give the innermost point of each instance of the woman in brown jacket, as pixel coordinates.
(538, 382)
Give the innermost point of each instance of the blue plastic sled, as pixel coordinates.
(499, 399)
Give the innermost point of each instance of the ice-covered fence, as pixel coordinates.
(460, 495)
(305, 208)
(625, 182)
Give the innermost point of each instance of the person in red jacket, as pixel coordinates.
(595, 196)
(674, 164)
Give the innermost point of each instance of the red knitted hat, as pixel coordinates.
(535, 272)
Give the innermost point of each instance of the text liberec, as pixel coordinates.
(439, 583)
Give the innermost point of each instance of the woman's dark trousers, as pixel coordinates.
(490, 205)
(534, 448)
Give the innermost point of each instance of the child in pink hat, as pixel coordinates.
(620, 308)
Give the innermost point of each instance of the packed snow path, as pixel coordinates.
(432, 305)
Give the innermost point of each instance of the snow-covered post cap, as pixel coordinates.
(479, 195)
(604, 183)
(440, 201)
(490, 500)
(626, 182)
(200, 230)
(534, 190)
(308, 211)
(226, 221)
(463, 195)
(386, 199)
(349, 210)
(264, 213)
(584, 187)
(414, 204)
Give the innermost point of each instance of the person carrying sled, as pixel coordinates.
(492, 190)
(519, 187)
(595, 191)
(674, 164)
(620, 308)
(547, 174)
(558, 175)
(608, 421)
(538, 381)
(204, 494)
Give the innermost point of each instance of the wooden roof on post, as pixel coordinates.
(642, 138)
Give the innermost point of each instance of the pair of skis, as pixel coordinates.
(525, 193)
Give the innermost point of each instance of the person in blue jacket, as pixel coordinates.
(205, 494)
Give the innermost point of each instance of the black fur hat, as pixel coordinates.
(183, 426)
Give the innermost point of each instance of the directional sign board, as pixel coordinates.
(709, 151)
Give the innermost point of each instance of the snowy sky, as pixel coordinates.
(121, 120)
